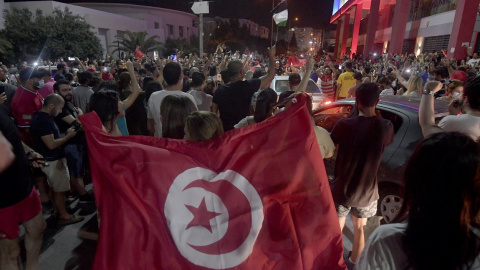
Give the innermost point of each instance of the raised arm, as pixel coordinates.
(426, 114)
(135, 88)
(81, 63)
(401, 80)
(306, 77)
(265, 80)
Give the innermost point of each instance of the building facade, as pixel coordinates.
(256, 30)
(413, 26)
(307, 38)
(110, 20)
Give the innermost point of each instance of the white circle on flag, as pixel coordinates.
(198, 244)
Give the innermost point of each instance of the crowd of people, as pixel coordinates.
(200, 98)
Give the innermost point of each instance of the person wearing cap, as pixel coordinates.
(358, 80)
(278, 68)
(345, 81)
(25, 103)
(48, 82)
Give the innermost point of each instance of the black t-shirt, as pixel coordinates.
(233, 100)
(361, 141)
(67, 110)
(136, 115)
(43, 124)
(15, 182)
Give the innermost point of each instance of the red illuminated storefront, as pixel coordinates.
(396, 26)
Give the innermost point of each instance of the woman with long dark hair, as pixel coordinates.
(442, 207)
(264, 108)
(108, 106)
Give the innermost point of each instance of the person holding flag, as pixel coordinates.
(211, 207)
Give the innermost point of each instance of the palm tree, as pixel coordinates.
(5, 46)
(129, 42)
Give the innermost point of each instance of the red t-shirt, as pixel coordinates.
(24, 104)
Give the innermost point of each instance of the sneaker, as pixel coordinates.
(87, 198)
(72, 220)
(348, 262)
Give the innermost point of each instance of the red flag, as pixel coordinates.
(256, 197)
(138, 53)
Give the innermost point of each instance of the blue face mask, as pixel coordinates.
(41, 84)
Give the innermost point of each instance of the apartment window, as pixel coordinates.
(157, 25)
(188, 31)
(170, 29)
(180, 31)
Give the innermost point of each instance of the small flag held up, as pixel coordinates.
(280, 14)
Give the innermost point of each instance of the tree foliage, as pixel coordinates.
(293, 43)
(172, 46)
(58, 35)
(129, 41)
(236, 37)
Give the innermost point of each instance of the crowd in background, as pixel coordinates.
(200, 97)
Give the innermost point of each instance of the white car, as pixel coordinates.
(280, 85)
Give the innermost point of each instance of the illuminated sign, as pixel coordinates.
(337, 4)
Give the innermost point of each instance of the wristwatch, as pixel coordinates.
(428, 92)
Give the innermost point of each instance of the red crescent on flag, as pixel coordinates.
(239, 211)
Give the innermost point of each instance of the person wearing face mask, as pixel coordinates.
(25, 103)
(46, 83)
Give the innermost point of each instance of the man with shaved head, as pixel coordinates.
(49, 144)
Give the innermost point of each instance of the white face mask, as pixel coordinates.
(41, 84)
(456, 95)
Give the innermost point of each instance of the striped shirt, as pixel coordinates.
(327, 85)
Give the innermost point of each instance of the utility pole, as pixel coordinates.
(271, 36)
(200, 25)
(200, 7)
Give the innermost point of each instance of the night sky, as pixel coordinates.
(310, 13)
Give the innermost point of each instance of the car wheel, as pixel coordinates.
(390, 202)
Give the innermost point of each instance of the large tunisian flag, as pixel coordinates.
(254, 198)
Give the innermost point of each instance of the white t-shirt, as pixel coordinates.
(384, 249)
(472, 62)
(154, 107)
(387, 92)
(464, 123)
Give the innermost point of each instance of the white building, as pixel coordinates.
(109, 20)
(307, 37)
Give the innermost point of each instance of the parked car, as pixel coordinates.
(403, 112)
(280, 85)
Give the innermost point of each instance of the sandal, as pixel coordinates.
(72, 220)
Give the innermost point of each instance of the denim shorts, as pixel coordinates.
(359, 212)
(74, 155)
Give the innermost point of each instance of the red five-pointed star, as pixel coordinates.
(201, 216)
